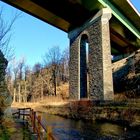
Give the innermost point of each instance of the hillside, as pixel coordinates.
(126, 76)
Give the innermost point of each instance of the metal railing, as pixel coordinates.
(30, 117)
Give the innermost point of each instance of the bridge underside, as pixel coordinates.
(70, 14)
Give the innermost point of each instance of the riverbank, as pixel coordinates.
(127, 112)
(14, 130)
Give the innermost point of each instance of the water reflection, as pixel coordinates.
(67, 129)
(109, 129)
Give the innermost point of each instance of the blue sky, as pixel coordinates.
(32, 37)
(136, 3)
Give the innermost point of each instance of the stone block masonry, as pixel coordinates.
(99, 56)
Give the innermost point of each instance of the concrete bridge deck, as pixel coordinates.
(71, 14)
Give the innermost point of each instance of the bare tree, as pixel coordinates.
(5, 34)
(36, 68)
(9, 80)
(27, 83)
(21, 65)
(52, 59)
(6, 27)
(28, 72)
(18, 79)
(15, 71)
(65, 65)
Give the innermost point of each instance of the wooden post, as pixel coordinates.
(19, 113)
(23, 114)
(34, 122)
(49, 131)
(39, 127)
(32, 117)
(31, 114)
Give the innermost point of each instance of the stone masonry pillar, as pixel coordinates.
(99, 65)
(100, 69)
(74, 69)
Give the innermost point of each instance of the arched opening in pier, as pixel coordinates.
(84, 51)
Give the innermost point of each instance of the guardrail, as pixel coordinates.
(30, 116)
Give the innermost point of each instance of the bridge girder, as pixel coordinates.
(70, 14)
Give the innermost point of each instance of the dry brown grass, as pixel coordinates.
(63, 91)
(55, 101)
(25, 105)
(52, 100)
(60, 99)
(120, 97)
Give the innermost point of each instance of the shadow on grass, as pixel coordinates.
(15, 132)
(4, 135)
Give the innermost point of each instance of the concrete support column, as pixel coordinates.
(74, 69)
(100, 70)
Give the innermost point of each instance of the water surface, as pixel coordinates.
(68, 129)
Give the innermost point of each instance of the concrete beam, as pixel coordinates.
(121, 17)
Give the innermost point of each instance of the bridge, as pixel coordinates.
(107, 27)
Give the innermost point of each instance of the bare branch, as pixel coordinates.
(5, 34)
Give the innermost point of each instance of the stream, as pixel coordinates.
(68, 129)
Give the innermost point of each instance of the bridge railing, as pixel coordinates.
(30, 117)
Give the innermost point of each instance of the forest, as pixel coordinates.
(30, 84)
(44, 79)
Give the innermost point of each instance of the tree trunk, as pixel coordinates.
(14, 96)
(42, 90)
(54, 81)
(25, 92)
(19, 94)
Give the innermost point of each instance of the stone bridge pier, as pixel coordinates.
(90, 69)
